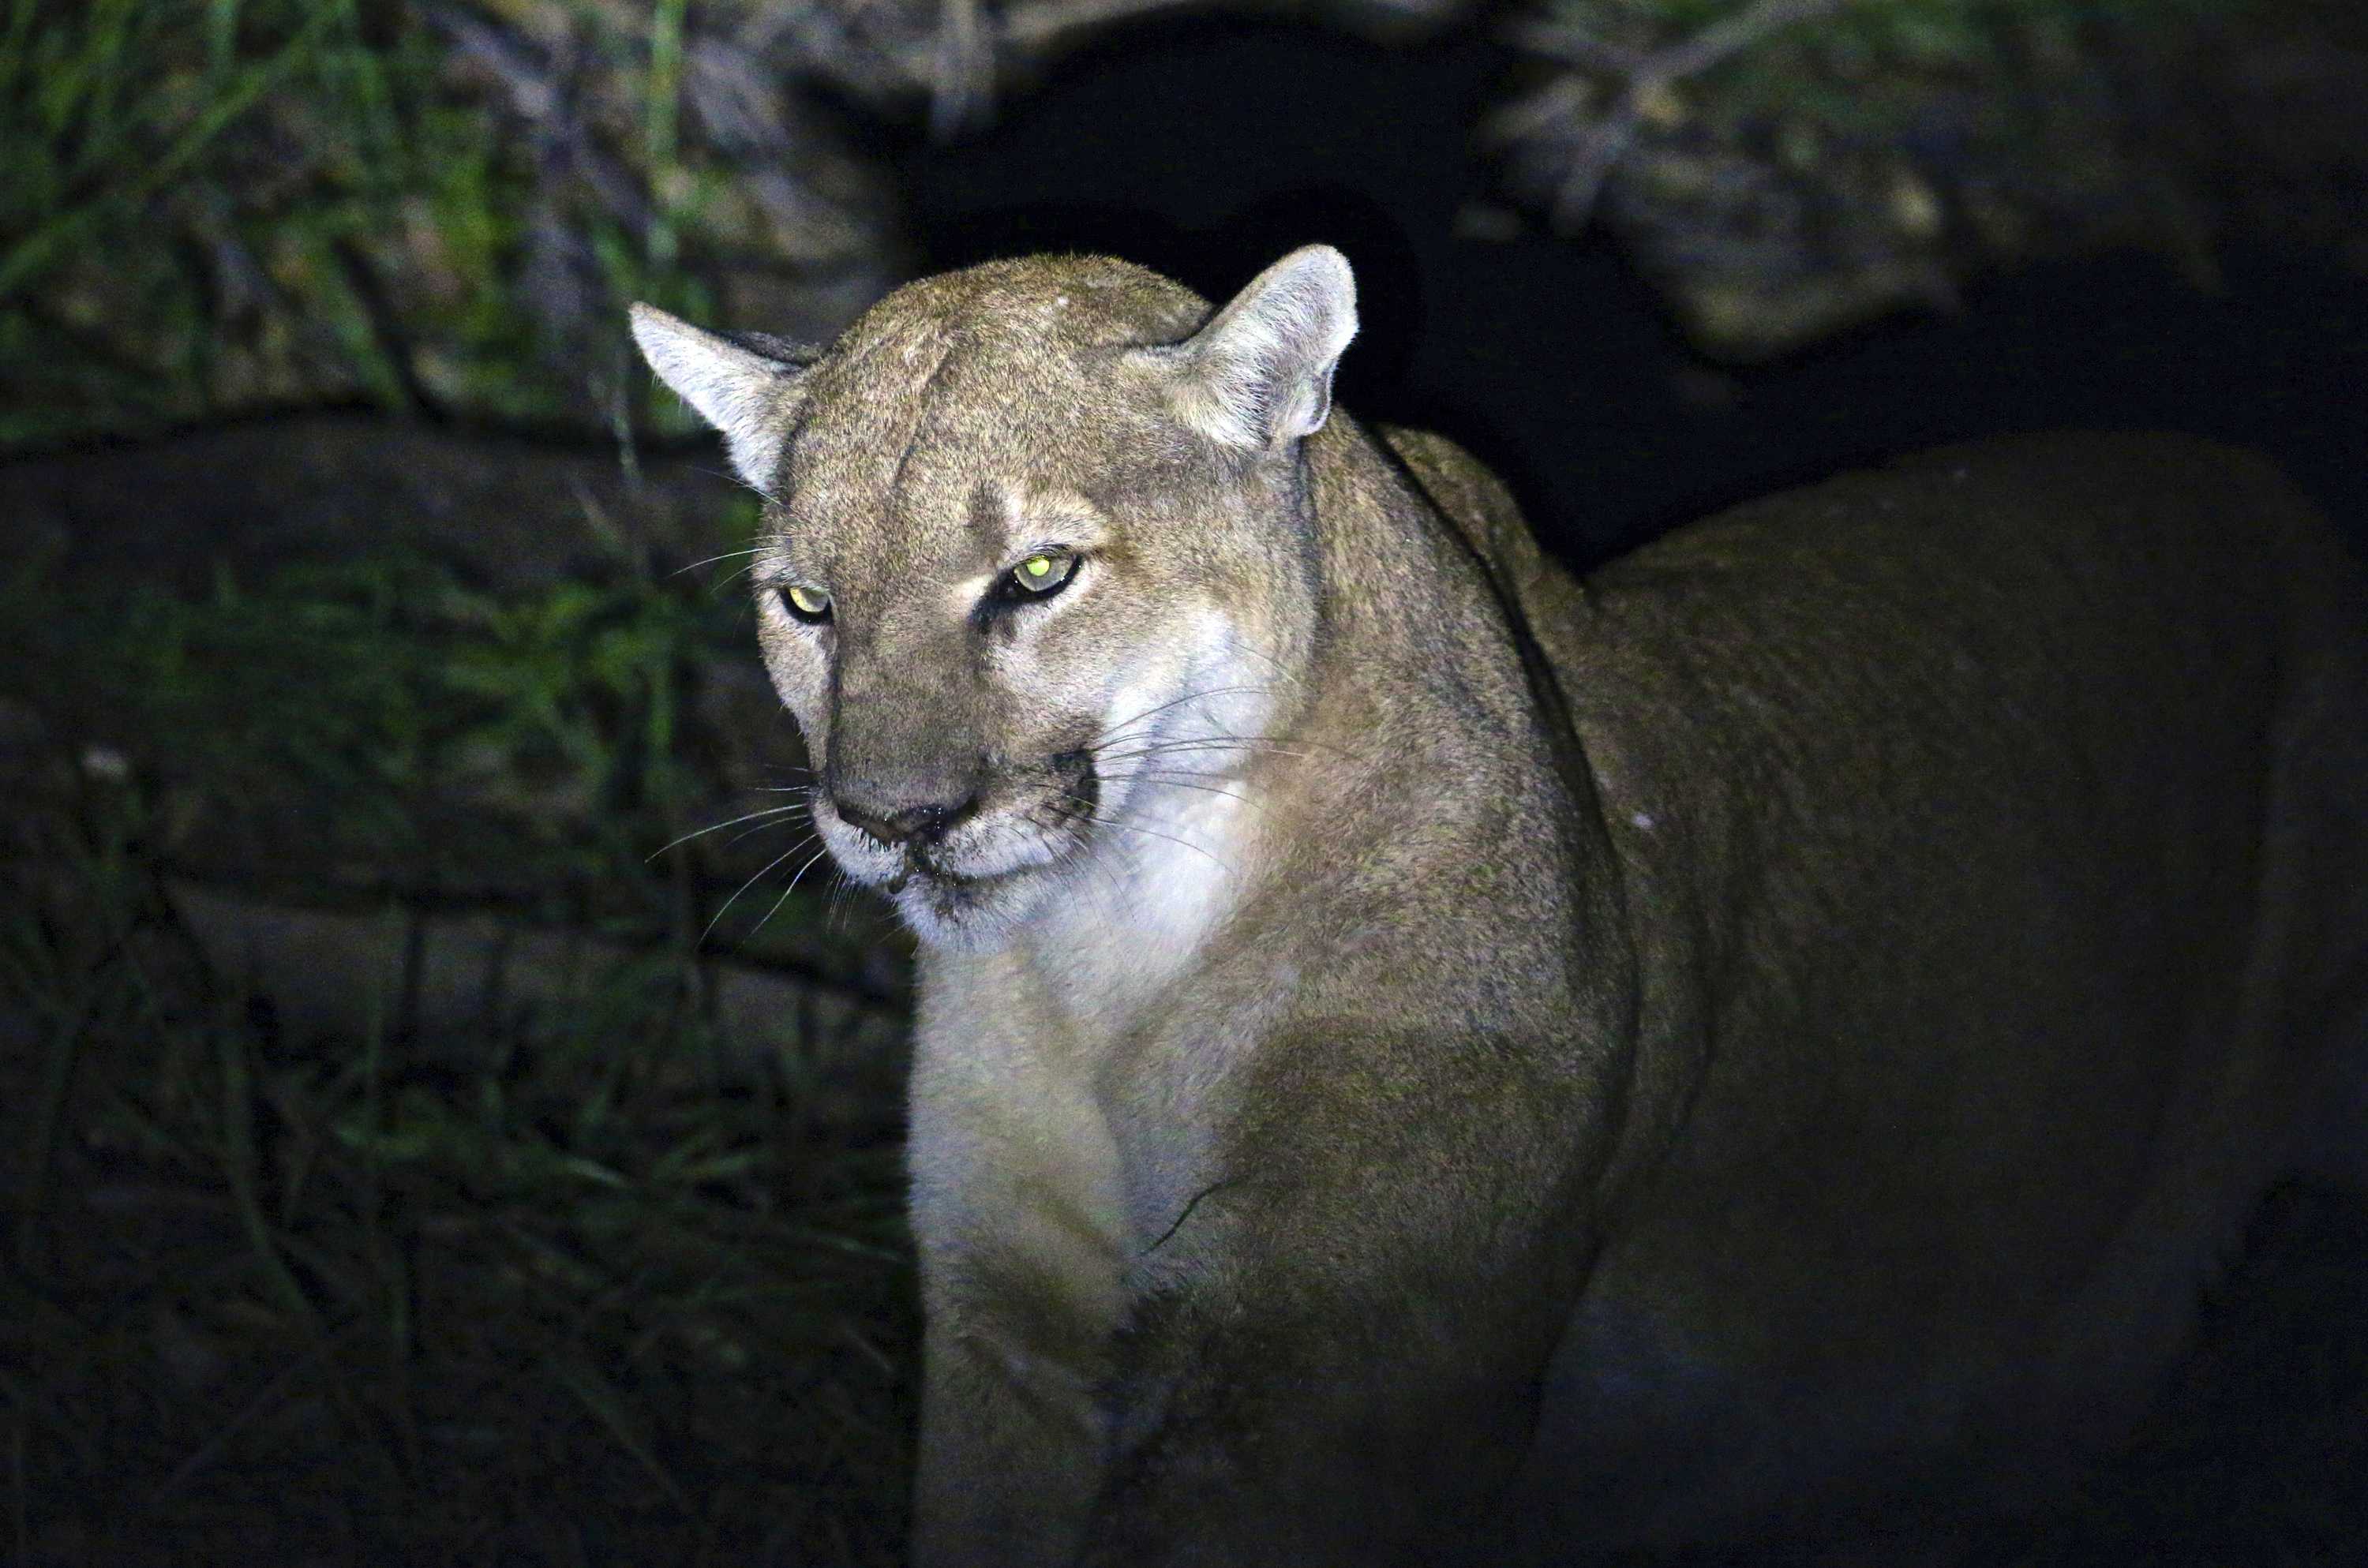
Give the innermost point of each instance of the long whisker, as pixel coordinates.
(727, 555)
(1112, 731)
(718, 827)
(1181, 782)
(1075, 852)
(1155, 833)
(742, 481)
(716, 588)
(1072, 853)
(1112, 883)
(1269, 658)
(1088, 815)
(795, 878)
(1207, 743)
(757, 490)
(751, 882)
(753, 832)
(843, 890)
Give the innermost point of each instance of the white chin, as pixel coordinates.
(967, 916)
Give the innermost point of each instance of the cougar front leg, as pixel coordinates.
(1010, 1452)
(1336, 1360)
(1019, 1295)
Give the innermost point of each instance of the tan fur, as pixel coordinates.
(1524, 1070)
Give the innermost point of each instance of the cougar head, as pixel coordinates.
(1038, 557)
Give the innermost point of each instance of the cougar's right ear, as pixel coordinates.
(749, 387)
(1258, 376)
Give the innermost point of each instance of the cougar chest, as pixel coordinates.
(1060, 1109)
(1140, 914)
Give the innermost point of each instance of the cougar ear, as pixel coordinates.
(748, 386)
(1258, 376)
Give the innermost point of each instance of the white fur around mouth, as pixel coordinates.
(966, 913)
(892, 869)
(914, 873)
(964, 904)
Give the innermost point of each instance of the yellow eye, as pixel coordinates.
(1038, 576)
(806, 604)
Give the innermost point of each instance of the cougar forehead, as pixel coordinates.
(956, 402)
(971, 418)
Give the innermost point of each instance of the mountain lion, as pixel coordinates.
(1423, 1058)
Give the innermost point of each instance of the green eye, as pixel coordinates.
(1037, 576)
(809, 605)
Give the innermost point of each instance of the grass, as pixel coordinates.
(1788, 168)
(428, 734)
(586, 1284)
(577, 1285)
(215, 205)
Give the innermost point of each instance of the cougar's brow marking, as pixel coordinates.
(993, 518)
(1169, 1234)
(921, 410)
(1054, 519)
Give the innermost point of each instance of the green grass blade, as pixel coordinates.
(30, 254)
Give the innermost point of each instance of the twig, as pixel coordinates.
(1600, 147)
(239, 1419)
(1731, 35)
(956, 62)
(539, 94)
(1036, 23)
(1642, 74)
(386, 329)
(1574, 45)
(962, 73)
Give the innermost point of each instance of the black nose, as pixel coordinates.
(923, 823)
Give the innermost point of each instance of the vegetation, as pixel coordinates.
(586, 1282)
(215, 205)
(1788, 167)
(563, 1303)
(580, 1284)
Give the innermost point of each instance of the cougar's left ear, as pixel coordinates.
(748, 386)
(1258, 376)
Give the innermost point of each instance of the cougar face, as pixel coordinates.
(1019, 601)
